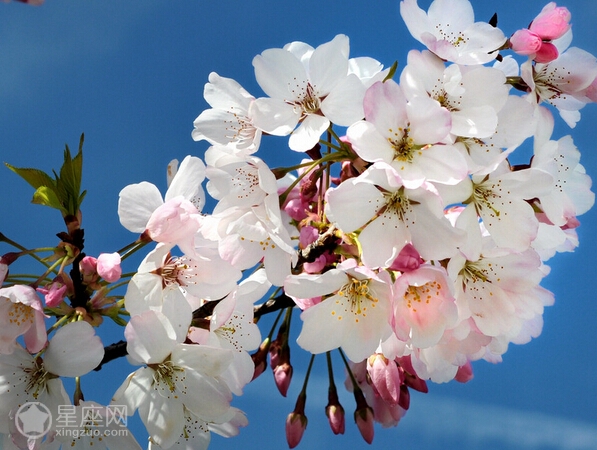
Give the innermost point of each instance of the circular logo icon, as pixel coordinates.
(33, 420)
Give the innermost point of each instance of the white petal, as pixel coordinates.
(74, 350)
(136, 204)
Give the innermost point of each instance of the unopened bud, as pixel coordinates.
(464, 373)
(296, 424)
(260, 357)
(363, 417)
(335, 412)
(282, 377)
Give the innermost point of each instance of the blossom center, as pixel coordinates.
(417, 296)
(403, 145)
(20, 314)
(309, 102)
(397, 203)
(174, 272)
(356, 292)
(37, 378)
(166, 374)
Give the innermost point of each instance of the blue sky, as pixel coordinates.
(130, 75)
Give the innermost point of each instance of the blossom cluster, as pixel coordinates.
(413, 236)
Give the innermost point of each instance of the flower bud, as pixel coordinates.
(260, 358)
(282, 377)
(464, 373)
(335, 412)
(363, 417)
(108, 267)
(552, 22)
(547, 53)
(296, 424)
(386, 378)
(525, 42)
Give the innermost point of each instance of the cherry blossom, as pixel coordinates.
(393, 215)
(448, 29)
(403, 134)
(474, 95)
(21, 313)
(309, 87)
(563, 81)
(551, 23)
(227, 122)
(176, 377)
(354, 317)
(424, 305)
(174, 219)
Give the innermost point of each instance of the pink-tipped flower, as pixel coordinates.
(552, 22)
(108, 267)
(464, 373)
(296, 422)
(335, 412)
(280, 360)
(21, 314)
(407, 260)
(525, 42)
(363, 417)
(88, 269)
(54, 293)
(386, 378)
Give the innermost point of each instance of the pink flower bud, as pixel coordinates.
(108, 267)
(260, 357)
(552, 22)
(525, 42)
(386, 378)
(407, 260)
(547, 53)
(464, 373)
(175, 221)
(363, 416)
(335, 412)
(88, 269)
(364, 420)
(296, 423)
(282, 377)
(54, 293)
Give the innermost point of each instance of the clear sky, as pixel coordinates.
(130, 75)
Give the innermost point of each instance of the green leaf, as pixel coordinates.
(34, 177)
(392, 72)
(46, 196)
(62, 192)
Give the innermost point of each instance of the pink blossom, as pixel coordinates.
(296, 422)
(363, 417)
(525, 42)
(464, 373)
(21, 313)
(335, 411)
(408, 259)
(175, 221)
(88, 269)
(108, 267)
(552, 22)
(54, 293)
(386, 378)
